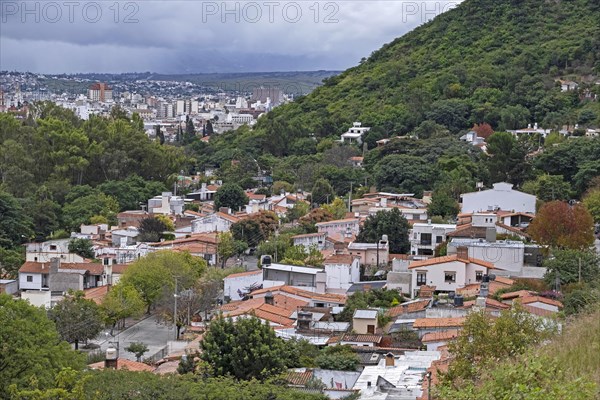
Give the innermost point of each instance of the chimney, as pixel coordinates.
(269, 299)
(112, 356)
(389, 360)
(462, 252)
(304, 320)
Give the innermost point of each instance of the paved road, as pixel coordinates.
(147, 331)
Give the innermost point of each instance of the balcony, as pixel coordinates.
(425, 242)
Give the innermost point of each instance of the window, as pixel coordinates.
(29, 278)
(478, 276)
(439, 239)
(449, 276)
(421, 278)
(415, 235)
(52, 247)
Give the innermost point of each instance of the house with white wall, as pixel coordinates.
(371, 253)
(46, 251)
(216, 222)
(236, 286)
(424, 238)
(340, 227)
(308, 240)
(448, 273)
(341, 270)
(501, 197)
(354, 134)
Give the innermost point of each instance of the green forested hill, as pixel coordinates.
(493, 61)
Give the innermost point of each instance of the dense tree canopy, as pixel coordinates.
(31, 346)
(230, 195)
(559, 224)
(246, 349)
(391, 223)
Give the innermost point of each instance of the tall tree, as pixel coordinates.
(31, 347)
(229, 247)
(230, 195)
(15, 225)
(82, 247)
(592, 203)
(154, 276)
(548, 188)
(121, 302)
(572, 266)
(322, 192)
(245, 349)
(391, 223)
(76, 318)
(151, 229)
(561, 225)
(506, 161)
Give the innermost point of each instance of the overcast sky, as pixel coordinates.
(201, 36)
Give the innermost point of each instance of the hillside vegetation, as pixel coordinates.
(493, 61)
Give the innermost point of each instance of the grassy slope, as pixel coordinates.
(577, 349)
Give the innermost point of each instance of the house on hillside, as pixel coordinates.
(354, 134)
(57, 276)
(216, 222)
(46, 251)
(448, 273)
(424, 238)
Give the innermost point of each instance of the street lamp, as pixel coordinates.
(428, 375)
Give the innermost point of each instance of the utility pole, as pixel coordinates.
(175, 311)
(350, 198)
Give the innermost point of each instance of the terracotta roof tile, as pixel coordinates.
(540, 299)
(298, 378)
(518, 293)
(424, 323)
(361, 338)
(411, 307)
(450, 258)
(440, 336)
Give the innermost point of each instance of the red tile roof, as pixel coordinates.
(540, 299)
(96, 294)
(450, 258)
(412, 307)
(33, 267)
(339, 259)
(489, 302)
(328, 297)
(440, 336)
(361, 338)
(518, 293)
(298, 378)
(424, 323)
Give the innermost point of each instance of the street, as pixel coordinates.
(147, 331)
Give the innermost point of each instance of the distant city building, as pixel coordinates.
(271, 95)
(100, 92)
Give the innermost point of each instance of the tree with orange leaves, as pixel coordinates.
(561, 225)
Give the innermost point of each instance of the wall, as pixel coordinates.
(435, 275)
(38, 298)
(501, 196)
(359, 325)
(232, 285)
(340, 276)
(35, 285)
(508, 258)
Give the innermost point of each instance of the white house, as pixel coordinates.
(166, 204)
(45, 251)
(501, 197)
(370, 253)
(425, 237)
(217, 222)
(448, 273)
(354, 134)
(308, 278)
(345, 227)
(309, 240)
(341, 270)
